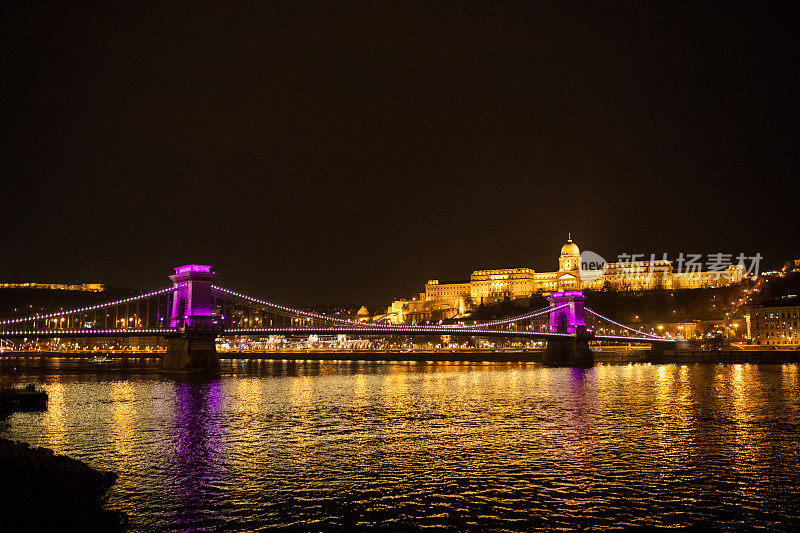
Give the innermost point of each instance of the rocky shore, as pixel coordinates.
(42, 491)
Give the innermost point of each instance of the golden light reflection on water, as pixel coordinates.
(745, 398)
(463, 385)
(683, 384)
(53, 423)
(395, 388)
(123, 412)
(396, 404)
(248, 397)
(663, 383)
(789, 378)
(301, 400)
(673, 398)
(513, 376)
(738, 392)
(124, 433)
(360, 400)
(246, 403)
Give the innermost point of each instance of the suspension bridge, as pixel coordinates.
(193, 312)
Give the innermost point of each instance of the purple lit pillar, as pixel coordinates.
(570, 351)
(570, 318)
(192, 302)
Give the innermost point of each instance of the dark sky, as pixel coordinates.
(348, 152)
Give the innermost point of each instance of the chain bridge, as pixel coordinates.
(193, 312)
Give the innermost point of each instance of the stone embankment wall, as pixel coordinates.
(726, 356)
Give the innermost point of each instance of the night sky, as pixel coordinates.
(347, 152)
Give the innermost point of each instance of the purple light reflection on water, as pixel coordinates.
(197, 466)
(579, 443)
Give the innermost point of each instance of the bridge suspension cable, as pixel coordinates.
(290, 310)
(623, 326)
(88, 308)
(222, 290)
(519, 318)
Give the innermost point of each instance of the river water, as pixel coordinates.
(490, 447)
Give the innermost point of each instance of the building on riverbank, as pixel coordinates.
(775, 322)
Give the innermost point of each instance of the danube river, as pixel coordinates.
(505, 447)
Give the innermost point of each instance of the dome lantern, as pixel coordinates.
(570, 248)
(570, 258)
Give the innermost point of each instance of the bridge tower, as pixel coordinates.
(568, 351)
(194, 347)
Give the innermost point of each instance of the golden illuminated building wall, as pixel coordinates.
(775, 323)
(89, 287)
(434, 290)
(448, 299)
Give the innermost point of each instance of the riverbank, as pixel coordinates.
(622, 355)
(725, 356)
(42, 491)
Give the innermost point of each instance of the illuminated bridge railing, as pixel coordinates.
(88, 332)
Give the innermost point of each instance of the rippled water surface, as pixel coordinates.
(505, 447)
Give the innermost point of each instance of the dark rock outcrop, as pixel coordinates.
(42, 491)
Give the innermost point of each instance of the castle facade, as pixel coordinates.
(448, 299)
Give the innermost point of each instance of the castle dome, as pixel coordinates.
(570, 248)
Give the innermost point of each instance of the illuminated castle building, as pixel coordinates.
(448, 299)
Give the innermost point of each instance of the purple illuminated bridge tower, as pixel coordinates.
(192, 312)
(192, 303)
(566, 316)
